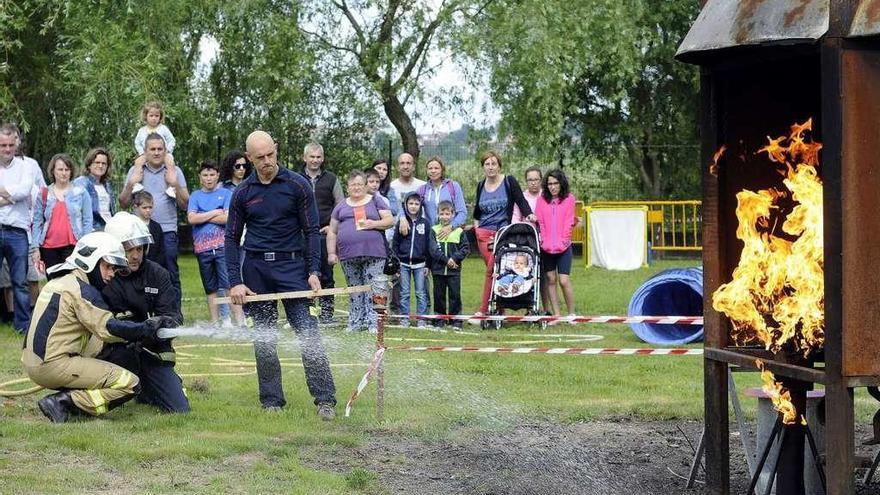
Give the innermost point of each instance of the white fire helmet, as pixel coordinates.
(129, 229)
(90, 249)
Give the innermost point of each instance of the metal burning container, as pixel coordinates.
(768, 66)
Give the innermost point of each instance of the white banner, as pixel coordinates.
(618, 238)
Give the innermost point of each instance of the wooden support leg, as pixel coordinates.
(839, 439)
(717, 428)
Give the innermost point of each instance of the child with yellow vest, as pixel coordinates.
(447, 255)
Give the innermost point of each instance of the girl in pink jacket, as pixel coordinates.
(556, 220)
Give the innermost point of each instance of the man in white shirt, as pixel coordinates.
(405, 183)
(16, 187)
(166, 183)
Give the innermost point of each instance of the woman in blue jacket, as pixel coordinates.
(437, 189)
(62, 215)
(96, 181)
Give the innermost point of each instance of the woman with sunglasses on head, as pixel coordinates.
(381, 167)
(235, 169)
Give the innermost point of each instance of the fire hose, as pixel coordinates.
(18, 393)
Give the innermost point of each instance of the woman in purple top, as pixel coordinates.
(356, 239)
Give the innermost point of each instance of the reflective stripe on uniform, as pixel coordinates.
(123, 381)
(98, 400)
(168, 357)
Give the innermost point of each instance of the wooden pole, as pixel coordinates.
(380, 371)
(298, 294)
(380, 305)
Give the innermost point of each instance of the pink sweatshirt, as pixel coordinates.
(556, 220)
(532, 200)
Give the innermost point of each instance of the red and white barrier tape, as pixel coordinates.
(658, 320)
(557, 350)
(377, 358)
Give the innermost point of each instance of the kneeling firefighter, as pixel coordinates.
(59, 350)
(144, 292)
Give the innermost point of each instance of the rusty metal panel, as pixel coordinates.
(730, 23)
(860, 183)
(866, 21)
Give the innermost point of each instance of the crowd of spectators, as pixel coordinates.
(424, 223)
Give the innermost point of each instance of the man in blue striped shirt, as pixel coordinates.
(281, 253)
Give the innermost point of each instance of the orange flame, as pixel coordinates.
(780, 397)
(713, 167)
(777, 294)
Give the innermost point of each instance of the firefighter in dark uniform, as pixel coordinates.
(281, 253)
(58, 350)
(143, 293)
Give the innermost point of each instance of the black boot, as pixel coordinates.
(57, 407)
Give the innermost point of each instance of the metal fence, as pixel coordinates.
(672, 225)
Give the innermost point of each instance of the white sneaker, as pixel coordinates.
(227, 323)
(473, 321)
(137, 187)
(171, 192)
(571, 318)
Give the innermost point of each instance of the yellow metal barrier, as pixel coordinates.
(672, 225)
(579, 233)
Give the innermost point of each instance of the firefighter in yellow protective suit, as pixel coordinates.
(59, 347)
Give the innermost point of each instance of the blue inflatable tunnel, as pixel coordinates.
(675, 292)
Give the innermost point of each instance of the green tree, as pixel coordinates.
(266, 75)
(78, 73)
(75, 75)
(385, 45)
(598, 77)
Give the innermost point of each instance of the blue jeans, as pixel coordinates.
(171, 261)
(418, 276)
(265, 277)
(14, 249)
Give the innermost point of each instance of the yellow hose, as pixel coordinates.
(18, 393)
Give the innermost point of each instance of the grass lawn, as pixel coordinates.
(229, 445)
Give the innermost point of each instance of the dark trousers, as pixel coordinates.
(395, 296)
(160, 384)
(327, 302)
(54, 256)
(170, 245)
(447, 284)
(265, 277)
(14, 249)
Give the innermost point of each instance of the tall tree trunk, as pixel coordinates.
(401, 121)
(650, 169)
(649, 164)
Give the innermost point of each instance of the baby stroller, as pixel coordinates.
(517, 272)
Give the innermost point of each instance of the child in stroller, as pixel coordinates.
(514, 277)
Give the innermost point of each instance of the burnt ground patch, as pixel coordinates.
(598, 457)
